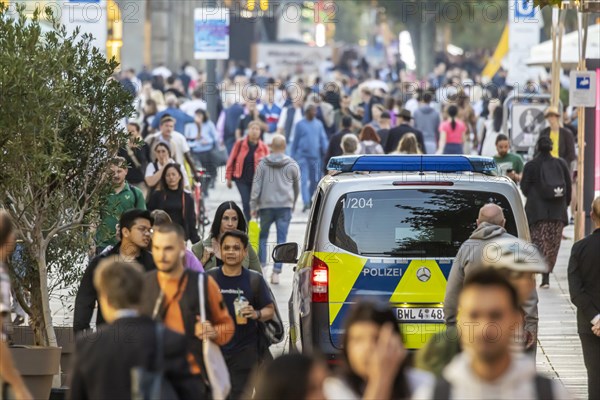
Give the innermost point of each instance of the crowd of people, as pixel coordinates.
(274, 136)
(150, 301)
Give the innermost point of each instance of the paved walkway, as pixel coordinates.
(559, 351)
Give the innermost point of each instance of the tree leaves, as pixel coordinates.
(60, 115)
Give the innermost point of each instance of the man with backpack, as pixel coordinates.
(249, 302)
(124, 197)
(107, 363)
(135, 228)
(488, 368)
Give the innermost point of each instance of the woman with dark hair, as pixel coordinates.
(150, 109)
(369, 141)
(290, 377)
(154, 170)
(546, 183)
(177, 202)
(228, 217)
(373, 358)
(452, 133)
(202, 137)
(492, 127)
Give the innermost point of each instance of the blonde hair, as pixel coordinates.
(349, 143)
(596, 208)
(409, 145)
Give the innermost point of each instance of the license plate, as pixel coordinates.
(420, 314)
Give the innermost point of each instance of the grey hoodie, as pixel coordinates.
(276, 183)
(470, 258)
(428, 121)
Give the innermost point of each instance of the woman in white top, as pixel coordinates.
(154, 169)
(492, 127)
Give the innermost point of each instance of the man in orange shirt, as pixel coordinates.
(171, 295)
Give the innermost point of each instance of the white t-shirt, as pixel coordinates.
(151, 170)
(178, 145)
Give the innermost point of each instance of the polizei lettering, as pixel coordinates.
(382, 272)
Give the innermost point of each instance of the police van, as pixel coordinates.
(386, 228)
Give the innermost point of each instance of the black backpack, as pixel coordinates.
(552, 179)
(152, 384)
(272, 331)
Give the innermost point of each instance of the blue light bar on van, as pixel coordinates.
(413, 163)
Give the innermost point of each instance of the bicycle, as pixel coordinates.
(201, 178)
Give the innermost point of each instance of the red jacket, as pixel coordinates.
(235, 163)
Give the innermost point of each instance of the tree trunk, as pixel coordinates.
(47, 314)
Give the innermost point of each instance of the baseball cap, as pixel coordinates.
(514, 254)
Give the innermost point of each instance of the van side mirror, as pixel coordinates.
(286, 253)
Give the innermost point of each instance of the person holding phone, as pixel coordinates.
(510, 164)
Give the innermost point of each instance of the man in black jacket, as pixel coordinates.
(105, 363)
(584, 286)
(395, 134)
(135, 229)
(335, 149)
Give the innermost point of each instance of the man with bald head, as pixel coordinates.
(274, 192)
(480, 250)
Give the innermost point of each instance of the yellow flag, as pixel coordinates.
(493, 64)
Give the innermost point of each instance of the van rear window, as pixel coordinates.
(410, 222)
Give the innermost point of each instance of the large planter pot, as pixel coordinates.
(23, 335)
(66, 341)
(37, 366)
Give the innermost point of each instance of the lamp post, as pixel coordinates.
(211, 80)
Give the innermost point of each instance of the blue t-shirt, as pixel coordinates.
(245, 335)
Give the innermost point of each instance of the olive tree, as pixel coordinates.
(60, 124)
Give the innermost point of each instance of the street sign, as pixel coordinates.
(582, 90)
(211, 33)
(526, 123)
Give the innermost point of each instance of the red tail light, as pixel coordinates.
(320, 281)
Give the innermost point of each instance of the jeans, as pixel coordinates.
(245, 189)
(281, 217)
(310, 174)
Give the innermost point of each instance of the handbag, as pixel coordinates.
(254, 234)
(151, 384)
(214, 363)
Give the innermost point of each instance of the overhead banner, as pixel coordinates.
(211, 33)
(523, 34)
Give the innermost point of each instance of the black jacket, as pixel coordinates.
(136, 168)
(103, 360)
(86, 298)
(584, 280)
(566, 144)
(185, 214)
(334, 149)
(396, 134)
(189, 304)
(536, 207)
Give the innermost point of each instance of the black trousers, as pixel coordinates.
(590, 345)
(240, 365)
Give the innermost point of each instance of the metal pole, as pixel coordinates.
(211, 80)
(582, 20)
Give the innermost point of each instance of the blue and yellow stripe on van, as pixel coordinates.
(352, 277)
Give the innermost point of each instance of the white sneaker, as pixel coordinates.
(275, 278)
